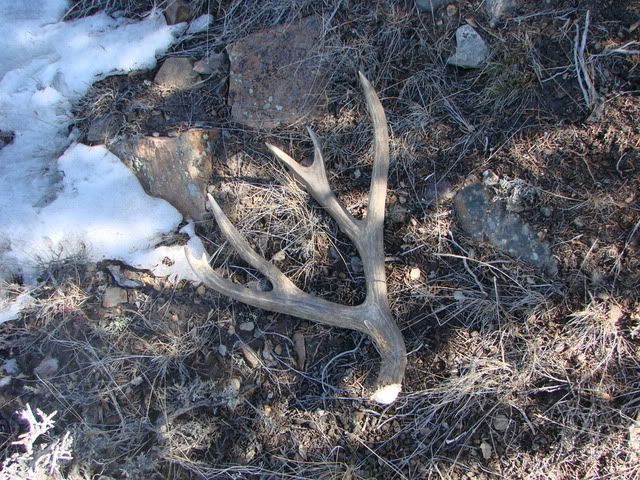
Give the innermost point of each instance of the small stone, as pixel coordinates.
(452, 10)
(277, 349)
(222, 350)
(546, 211)
(47, 368)
(415, 274)
(486, 450)
(176, 73)
(471, 49)
(201, 290)
(490, 178)
(500, 422)
(178, 12)
(114, 296)
(10, 366)
(430, 5)
(246, 327)
(279, 256)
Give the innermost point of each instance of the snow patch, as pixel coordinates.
(59, 199)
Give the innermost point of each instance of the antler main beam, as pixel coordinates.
(373, 316)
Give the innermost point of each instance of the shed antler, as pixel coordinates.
(373, 316)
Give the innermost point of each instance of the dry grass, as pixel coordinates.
(511, 374)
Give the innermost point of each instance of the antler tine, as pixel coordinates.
(314, 179)
(378, 188)
(248, 254)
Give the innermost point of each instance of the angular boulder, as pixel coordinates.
(176, 169)
(277, 76)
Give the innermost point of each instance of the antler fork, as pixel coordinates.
(373, 316)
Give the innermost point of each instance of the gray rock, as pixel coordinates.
(277, 76)
(471, 49)
(114, 296)
(177, 12)
(176, 169)
(176, 73)
(483, 218)
(430, 5)
(246, 326)
(496, 9)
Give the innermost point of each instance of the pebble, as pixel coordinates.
(501, 422)
(486, 450)
(415, 274)
(246, 326)
(201, 290)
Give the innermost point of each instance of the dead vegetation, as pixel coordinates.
(511, 373)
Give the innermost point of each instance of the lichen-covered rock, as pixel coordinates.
(176, 169)
(471, 49)
(484, 218)
(277, 76)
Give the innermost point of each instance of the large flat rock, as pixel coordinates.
(176, 169)
(277, 77)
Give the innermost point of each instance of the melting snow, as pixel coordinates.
(59, 198)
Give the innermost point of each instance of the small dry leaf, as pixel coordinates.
(301, 353)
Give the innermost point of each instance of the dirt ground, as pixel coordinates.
(512, 373)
